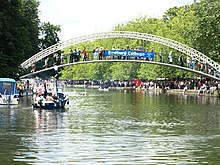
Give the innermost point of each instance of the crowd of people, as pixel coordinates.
(76, 55)
(204, 86)
(200, 85)
(41, 90)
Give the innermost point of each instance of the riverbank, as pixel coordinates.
(157, 90)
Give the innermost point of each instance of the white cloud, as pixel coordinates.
(80, 17)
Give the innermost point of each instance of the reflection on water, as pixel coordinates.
(114, 128)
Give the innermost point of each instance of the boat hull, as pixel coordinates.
(8, 92)
(9, 99)
(49, 105)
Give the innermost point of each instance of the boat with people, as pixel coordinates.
(49, 95)
(8, 92)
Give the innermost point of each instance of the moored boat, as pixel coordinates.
(8, 92)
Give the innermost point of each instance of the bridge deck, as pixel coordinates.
(131, 61)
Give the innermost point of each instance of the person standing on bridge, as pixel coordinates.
(46, 62)
(170, 58)
(160, 56)
(77, 55)
(55, 59)
(113, 57)
(152, 51)
(202, 67)
(101, 51)
(33, 67)
(84, 54)
(62, 57)
(119, 56)
(96, 51)
(71, 56)
(147, 58)
(181, 60)
(188, 61)
(193, 63)
(128, 49)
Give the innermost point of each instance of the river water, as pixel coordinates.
(113, 127)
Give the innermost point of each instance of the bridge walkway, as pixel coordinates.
(131, 61)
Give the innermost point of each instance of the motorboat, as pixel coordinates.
(57, 102)
(52, 97)
(8, 92)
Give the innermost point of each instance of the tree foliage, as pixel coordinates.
(19, 34)
(206, 30)
(124, 71)
(49, 35)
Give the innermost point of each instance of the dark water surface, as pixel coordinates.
(113, 128)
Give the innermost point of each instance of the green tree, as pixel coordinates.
(96, 71)
(124, 71)
(18, 34)
(206, 29)
(179, 23)
(49, 35)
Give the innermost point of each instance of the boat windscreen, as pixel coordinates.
(8, 88)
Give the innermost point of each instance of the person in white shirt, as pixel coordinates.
(188, 61)
(170, 58)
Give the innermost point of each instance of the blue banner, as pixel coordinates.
(130, 53)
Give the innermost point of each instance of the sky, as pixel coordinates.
(81, 17)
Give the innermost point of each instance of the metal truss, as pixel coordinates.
(123, 34)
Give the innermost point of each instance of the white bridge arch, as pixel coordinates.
(123, 34)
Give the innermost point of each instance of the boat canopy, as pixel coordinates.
(8, 86)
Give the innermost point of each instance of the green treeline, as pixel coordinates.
(22, 34)
(196, 25)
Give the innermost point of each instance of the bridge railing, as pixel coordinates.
(132, 61)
